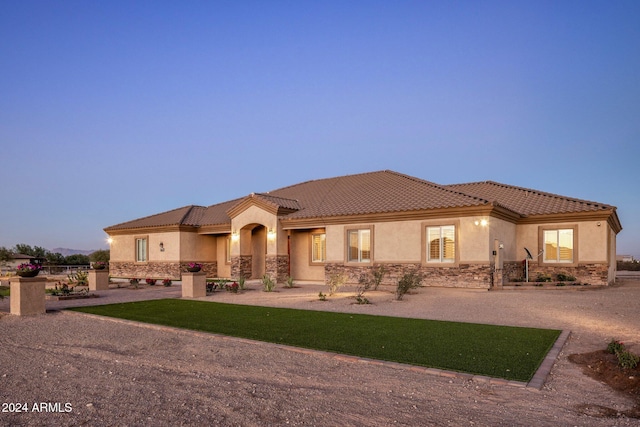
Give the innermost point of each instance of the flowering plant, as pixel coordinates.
(150, 282)
(233, 287)
(166, 282)
(194, 265)
(28, 270)
(25, 268)
(99, 265)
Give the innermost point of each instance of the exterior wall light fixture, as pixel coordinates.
(482, 222)
(271, 234)
(161, 247)
(235, 236)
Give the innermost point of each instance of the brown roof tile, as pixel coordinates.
(186, 215)
(374, 192)
(528, 202)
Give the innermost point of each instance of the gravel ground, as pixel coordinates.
(66, 368)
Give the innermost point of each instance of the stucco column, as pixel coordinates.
(27, 295)
(98, 280)
(194, 285)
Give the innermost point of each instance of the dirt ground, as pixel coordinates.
(67, 368)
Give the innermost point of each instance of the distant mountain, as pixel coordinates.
(67, 251)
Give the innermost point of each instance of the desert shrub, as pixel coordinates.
(79, 278)
(267, 283)
(409, 280)
(241, 282)
(335, 281)
(321, 296)
(562, 277)
(627, 360)
(543, 277)
(378, 274)
(615, 346)
(289, 282)
(166, 282)
(151, 282)
(232, 287)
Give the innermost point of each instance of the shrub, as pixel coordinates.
(241, 282)
(150, 282)
(543, 278)
(615, 346)
(267, 283)
(79, 278)
(562, 277)
(289, 282)
(166, 282)
(627, 360)
(335, 281)
(134, 282)
(321, 296)
(378, 274)
(409, 280)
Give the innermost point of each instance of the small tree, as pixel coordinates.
(409, 280)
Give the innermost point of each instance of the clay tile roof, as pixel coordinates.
(281, 202)
(217, 214)
(186, 215)
(528, 202)
(373, 192)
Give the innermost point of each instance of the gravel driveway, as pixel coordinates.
(66, 368)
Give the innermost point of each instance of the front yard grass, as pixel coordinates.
(508, 352)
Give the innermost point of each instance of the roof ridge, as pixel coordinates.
(436, 185)
(539, 192)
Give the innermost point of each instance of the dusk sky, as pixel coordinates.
(114, 110)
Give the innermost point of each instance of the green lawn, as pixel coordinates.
(4, 291)
(508, 352)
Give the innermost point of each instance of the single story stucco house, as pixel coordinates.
(465, 235)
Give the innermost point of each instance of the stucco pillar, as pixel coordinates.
(98, 280)
(194, 285)
(27, 295)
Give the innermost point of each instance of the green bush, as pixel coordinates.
(409, 280)
(627, 360)
(615, 346)
(267, 283)
(543, 278)
(562, 277)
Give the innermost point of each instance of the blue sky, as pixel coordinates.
(111, 111)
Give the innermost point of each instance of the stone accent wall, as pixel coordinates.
(157, 270)
(277, 267)
(593, 274)
(462, 276)
(241, 266)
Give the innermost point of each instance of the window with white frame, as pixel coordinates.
(558, 245)
(318, 247)
(441, 243)
(359, 242)
(141, 249)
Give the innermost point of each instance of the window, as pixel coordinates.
(318, 247)
(359, 242)
(441, 243)
(141, 249)
(558, 245)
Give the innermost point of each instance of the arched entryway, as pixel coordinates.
(253, 250)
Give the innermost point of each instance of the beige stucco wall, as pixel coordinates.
(594, 241)
(301, 267)
(224, 268)
(178, 246)
(402, 241)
